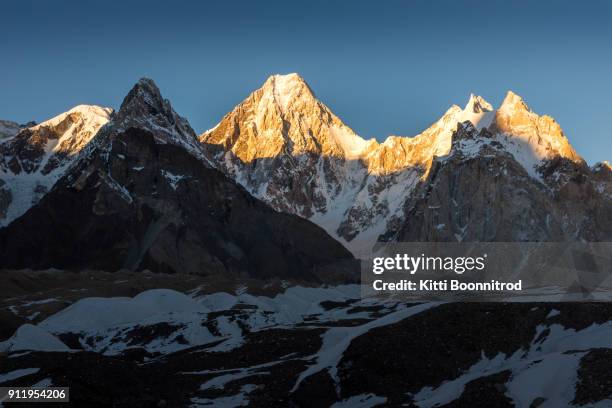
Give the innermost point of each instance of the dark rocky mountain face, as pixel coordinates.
(141, 197)
(479, 192)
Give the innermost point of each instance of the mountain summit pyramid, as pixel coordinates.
(142, 196)
(283, 117)
(288, 148)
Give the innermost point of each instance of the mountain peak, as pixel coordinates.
(284, 117)
(286, 89)
(477, 104)
(513, 102)
(145, 104)
(90, 116)
(145, 108)
(286, 82)
(537, 137)
(37, 156)
(145, 94)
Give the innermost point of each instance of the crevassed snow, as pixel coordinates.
(23, 189)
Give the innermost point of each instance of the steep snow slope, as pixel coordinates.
(36, 157)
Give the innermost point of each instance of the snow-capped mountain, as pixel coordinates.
(515, 179)
(135, 192)
(9, 128)
(290, 150)
(493, 187)
(141, 195)
(34, 158)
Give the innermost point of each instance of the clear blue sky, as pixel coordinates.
(385, 67)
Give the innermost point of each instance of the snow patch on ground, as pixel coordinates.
(173, 179)
(30, 337)
(109, 321)
(13, 375)
(238, 400)
(337, 339)
(547, 367)
(360, 401)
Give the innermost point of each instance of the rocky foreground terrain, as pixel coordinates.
(209, 343)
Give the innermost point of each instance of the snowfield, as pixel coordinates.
(166, 324)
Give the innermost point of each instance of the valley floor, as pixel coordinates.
(149, 340)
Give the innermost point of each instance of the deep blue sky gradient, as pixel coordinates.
(384, 67)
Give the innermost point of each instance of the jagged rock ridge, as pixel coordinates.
(141, 196)
(481, 191)
(289, 149)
